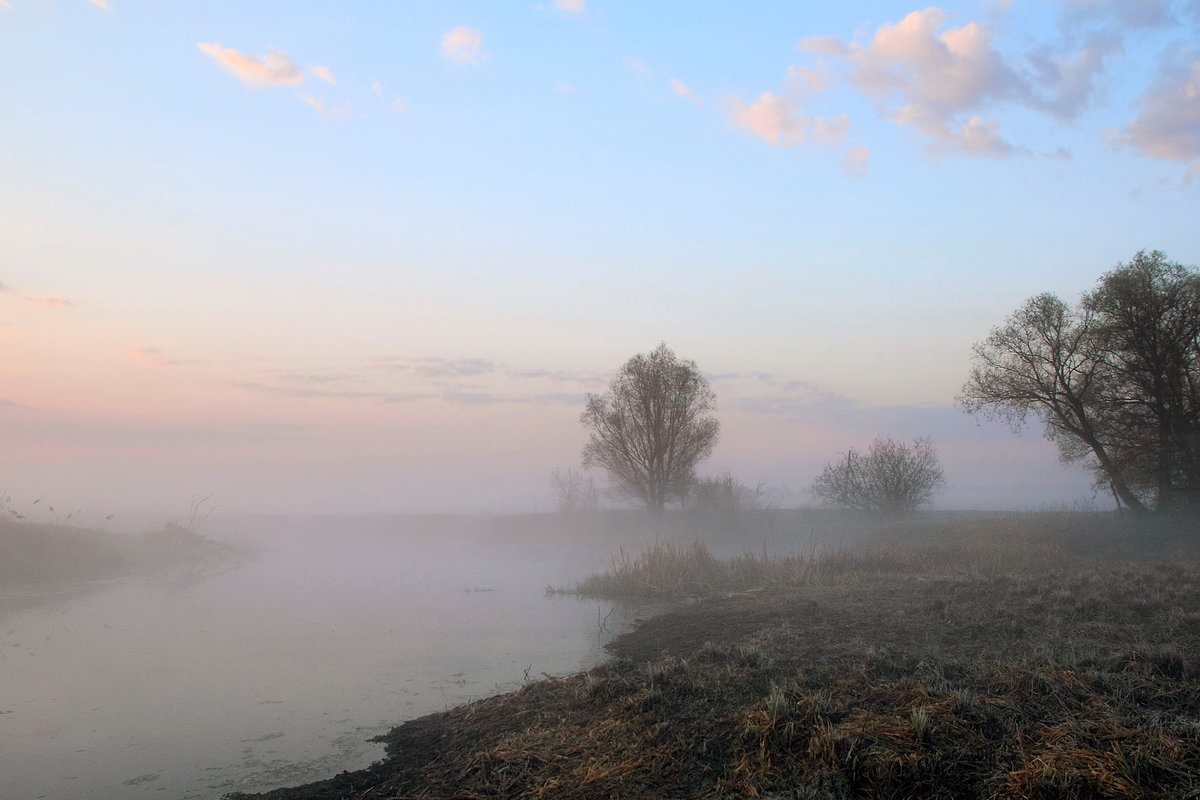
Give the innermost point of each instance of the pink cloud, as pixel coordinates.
(464, 45)
(571, 6)
(777, 121)
(680, 88)
(324, 74)
(857, 161)
(45, 301)
(257, 72)
(1168, 126)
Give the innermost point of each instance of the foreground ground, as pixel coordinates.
(977, 664)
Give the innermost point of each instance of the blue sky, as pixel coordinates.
(238, 238)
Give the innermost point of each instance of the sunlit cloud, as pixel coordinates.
(1168, 125)
(257, 72)
(316, 105)
(857, 161)
(377, 88)
(53, 301)
(680, 88)
(436, 367)
(154, 357)
(464, 45)
(636, 64)
(777, 121)
(571, 6)
(324, 74)
(100, 4)
(924, 77)
(45, 301)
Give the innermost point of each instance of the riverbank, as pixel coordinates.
(39, 561)
(980, 673)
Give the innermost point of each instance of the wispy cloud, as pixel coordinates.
(1168, 124)
(571, 6)
(257, 72)
(857, 161)
(464, 45)
(637, 65)
(457, 396)
(157, 358)
(45, 301)
(436, 367)
(100, 4)
(680, 88)
(323, 73)
(315, 104)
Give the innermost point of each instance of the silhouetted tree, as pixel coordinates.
(573, 491)
(892, 477)
(1116, 381)
(652, 427)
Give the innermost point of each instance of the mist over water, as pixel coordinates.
(279, 671)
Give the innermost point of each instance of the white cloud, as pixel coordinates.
(637, 65)
(857, 161)
(571, 6)
(324, 74)
(377, 88)
(1168, 126)
(316, 105)
(257, 72)
(777, 121)
(399, 106)
(100, 4)
(680, 88)
(464, 45)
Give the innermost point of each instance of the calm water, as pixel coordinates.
(279, 671)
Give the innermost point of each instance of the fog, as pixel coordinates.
(278, 667)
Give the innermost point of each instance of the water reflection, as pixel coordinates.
(280, 671)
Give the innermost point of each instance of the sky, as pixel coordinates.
(371, 257)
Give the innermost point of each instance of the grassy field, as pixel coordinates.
(1012, 658)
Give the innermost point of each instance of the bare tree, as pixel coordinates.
(892, 477)
(1115, 381)
(652, 427)
(574, 491)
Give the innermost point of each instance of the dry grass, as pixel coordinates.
(958, 667)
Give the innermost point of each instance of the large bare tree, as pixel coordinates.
(1115, 381)
(652, 427)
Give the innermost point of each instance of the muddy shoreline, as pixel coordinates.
(1077, 682)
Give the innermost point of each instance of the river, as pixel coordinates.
(278, 672)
